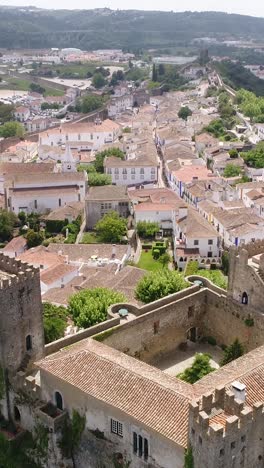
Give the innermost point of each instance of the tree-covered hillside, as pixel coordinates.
(101, 28)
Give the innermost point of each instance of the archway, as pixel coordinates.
(29, 342)
(17, 414)
(244, 298)
(58, 400)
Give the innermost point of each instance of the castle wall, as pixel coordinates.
(20, 313)
(161, 330)
(162, 452)
(235, 442)
(225, 321)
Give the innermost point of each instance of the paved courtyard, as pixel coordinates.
(177, 361)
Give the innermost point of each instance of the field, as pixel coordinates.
(19, 84)
(147, 262)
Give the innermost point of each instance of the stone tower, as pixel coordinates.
(68, 163)
(21, 325)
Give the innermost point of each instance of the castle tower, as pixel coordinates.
(21, 325)
(68, 163)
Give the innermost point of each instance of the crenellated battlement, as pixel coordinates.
(220, 414)
(17, 272)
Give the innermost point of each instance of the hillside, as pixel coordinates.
(104, 28)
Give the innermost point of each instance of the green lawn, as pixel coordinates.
(23, 85)
(146, 262)
(89, 238)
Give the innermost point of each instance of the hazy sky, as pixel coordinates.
(246, 7)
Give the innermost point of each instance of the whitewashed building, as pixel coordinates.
(131, 172)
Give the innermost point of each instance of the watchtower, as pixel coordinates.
(21, 325)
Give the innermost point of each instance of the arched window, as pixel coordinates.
(17, 414)
(29, 342)
(244, 298)
(58, 400)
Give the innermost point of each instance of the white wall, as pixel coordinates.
(45, 202)
(95, 140)
(133, 175)
(164, 218)
(58, 283)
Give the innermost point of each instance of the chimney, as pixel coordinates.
(113, 251)
(239, 390)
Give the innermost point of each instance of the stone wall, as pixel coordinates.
(20, 314)
(225, 321)
(237, 443)
(162, 329)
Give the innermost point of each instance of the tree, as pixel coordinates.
(154, 73)
(255, 157)
(156, 285)
(231, 171)
(233, 153)
(10, 129)
(98, 80)
(6, 112)
(147, 229)
(34, 238)
(54, 321)
(111, 228)
(71, 435)
(36, 88)
(89, 306)
(7, 223)
(100, 157)
(164, 259)
(200, 367)
(95, 179)
(184, 112)
(89, 103)
(225, 263)
(188, 458)
(232, 352)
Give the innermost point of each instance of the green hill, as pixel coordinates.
(30, 27)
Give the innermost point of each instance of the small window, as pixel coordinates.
(146, 450)
(210, 242)
(28, 343)
(190, 311)
(233, 445)
(142, 171)
(222, 452)
(59, 201)
(133, 170)
(193, 431)
(124, 171)
(200, 440)
(116, 170)
(116, 427)
(243, 438)
(135, 442)
(196, 242)
(79, 137)
(35, 204)
(156, 327)
(17, 414)
(140, 446)
(152, 170)
(58, 400)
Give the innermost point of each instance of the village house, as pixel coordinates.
(159, 205)
(119, 104)
(22, 113)
(205, 140)
(132, 172)
(82, 136)
(15, 247)
(187, 174)
(11, 169)
(195, 239)
(101, 200)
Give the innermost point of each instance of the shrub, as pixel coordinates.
(147, 229)
(155, 254)
(54, 321)
(34, 238)
(146, 246)
(54, 226)
(200, 367)
(89, 306)
(211, 340)
(192, 268)
(111, 228)
(156, 285)
(232, 352)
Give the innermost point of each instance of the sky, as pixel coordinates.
(244, 7)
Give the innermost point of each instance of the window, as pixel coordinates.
(133, 170)
(196, 242)
(209, 254)
(116, 170)
(91, 136)
(109, 171)
(124, 176)
(140, 446)
(17, 414)
(133, 176)
(67, 137)
(124, 171)
(153, 170)
(116, 176)
(233, 445)
(142, 176)
(210, 242)
(142, 171)
(156, 327)
(35, 204)
(200, 440)
(152, 176)
(222, 452)
(243, 438)
(58, 400)
(79, 137)
(116, 427)
(28, 343)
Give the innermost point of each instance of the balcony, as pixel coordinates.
(51, 416)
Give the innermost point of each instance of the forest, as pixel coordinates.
(30, 27)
